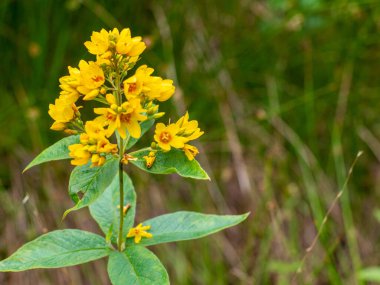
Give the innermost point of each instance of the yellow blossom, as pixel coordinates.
(167, 136)
(123, 118)
(94, 130)
(91, 79)
(150, 159)
(99, 43)
(190, 151)
(177, 135)
(164, 89)
(142, 84)
(139, 232)
(97, 160)
(79, 153)
(62, 111)
(127, 45)
(188, 129)
(127, 157)
(135, 85)
(69, 84)
(93, 146)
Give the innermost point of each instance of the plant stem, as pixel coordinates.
(121, 184)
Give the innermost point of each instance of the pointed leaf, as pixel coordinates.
(145, 126)
(136, 266)
(105, 209)
(174, 161)
(57, 249)
(185, 226)
(91, 181)
(57, 151)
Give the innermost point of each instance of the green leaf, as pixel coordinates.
(91, 181)
(174, 161)
(57, 249)
(370, 274)
(136, 266)
(105, 209)
(57, 151)
(145, 126)
(185, 226)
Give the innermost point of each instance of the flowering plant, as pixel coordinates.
(99, 150)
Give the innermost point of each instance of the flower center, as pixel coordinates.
(137, 231)
(165, 137)
(111, 117)
(132, 87)
(125, 118)
(98, 78)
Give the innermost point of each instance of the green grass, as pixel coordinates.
(283, 90)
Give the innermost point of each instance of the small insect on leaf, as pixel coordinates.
(149, 159)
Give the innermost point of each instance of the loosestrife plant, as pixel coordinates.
(99, 149)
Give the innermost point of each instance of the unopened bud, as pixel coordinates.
(70, 132)
(158, 115)
(127, 157)
(112, 43)
(152, 110)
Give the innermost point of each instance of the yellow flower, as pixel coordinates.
(97, 160)
(104, 59)
(177, 135)
(127, 157)
(91, 79)
(94, 130)
(139, 232)
(188, 129)
(123, 118)
(69, 85)
(167, 136)
(142, 84)
(164, 90)
(93, 146)
(134, 85)
(99, 43)
(79, 153)
(150, 159)
(190, 151)
(62, 111)
(127, 45)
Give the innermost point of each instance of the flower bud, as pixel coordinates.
(158, 115)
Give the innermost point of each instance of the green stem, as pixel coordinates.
(121, 184)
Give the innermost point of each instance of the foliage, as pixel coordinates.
(287, 92)
(98, 181)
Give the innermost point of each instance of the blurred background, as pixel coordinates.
(287, 92)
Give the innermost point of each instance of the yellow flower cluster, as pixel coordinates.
(129, 99)
(105, 44)
(178, 135)
(93, 146)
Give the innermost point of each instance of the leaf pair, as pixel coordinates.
(136, 265)
(171, 227)
(88, 183)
